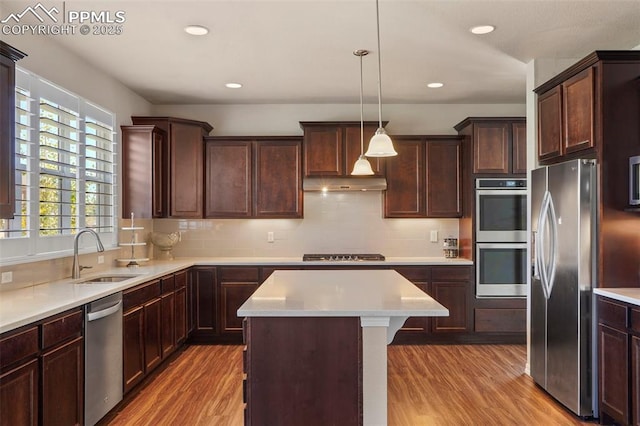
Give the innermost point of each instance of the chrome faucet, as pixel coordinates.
(76, 264)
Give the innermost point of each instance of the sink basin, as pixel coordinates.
(106, 279)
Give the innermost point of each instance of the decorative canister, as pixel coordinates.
(450, 248)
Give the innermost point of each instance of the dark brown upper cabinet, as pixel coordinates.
(498, 144)
(332, 148)
(145, 170)
(185, 174)
(8, 58)
(258, 177)
(424, 179)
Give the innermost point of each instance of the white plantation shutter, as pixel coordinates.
(65, 169)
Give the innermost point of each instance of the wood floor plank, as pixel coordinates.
(435, 385)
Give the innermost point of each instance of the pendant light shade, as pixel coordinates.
(362, 167)
(380, 144)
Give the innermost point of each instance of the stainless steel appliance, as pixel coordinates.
(342, 257)
(501, 210)
(563, 217)
(634, 180)
(103, 357)
(501, 269)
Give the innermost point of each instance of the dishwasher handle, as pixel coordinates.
(92, 316)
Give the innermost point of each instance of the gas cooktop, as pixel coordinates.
(341, 257)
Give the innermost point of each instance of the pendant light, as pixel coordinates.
(380, 144)
(362, 167)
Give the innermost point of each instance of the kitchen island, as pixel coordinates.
(316, 344)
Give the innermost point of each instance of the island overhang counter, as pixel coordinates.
(316, 344)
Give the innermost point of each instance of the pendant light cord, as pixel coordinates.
(379, 67)
(361, 113)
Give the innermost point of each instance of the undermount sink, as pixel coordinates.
(106, 279)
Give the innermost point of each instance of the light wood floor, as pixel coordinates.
(428, 385)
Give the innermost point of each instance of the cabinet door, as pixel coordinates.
(152, 334)
(352, 149)
(19, 395)
(614, 373)
(181, 315)
(236, 286)
(444, 195)
(491, 147)
(7, 140)
(635, 379)
(186, 170)
(278, 179)
(405, 194)
(519, 148)
(323, 151)
(168, 315)
(228, 179)
(133, 347)
(453, 295)
(550, 124)
(421, 325)
(63, 384)
(578, 111)
(204, 300)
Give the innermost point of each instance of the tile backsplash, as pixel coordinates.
(348, 222)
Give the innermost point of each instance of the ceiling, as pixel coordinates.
(301, 51)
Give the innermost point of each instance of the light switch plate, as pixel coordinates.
(270, 237)
(434, 236)
(7, 277)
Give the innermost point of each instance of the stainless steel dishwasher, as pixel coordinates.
(103, 357)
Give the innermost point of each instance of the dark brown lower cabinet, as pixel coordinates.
(181, 316)
(204, 301)
(618, 361)
(63, 384)
(19, 395)
(236, 285)
(133, 349)
(168, 316)
(152, 333)
(303, 371)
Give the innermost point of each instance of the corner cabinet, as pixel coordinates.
(332, 148)
(8, 58)
(257, 177)
(185, 174)
(499, 144)
(424, 179)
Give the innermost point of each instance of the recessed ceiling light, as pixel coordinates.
(197, 30)
(233, 85)
(435, 85)
(482, 29)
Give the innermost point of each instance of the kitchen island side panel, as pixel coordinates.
(304, 371)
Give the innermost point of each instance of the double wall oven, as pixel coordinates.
(501, 236)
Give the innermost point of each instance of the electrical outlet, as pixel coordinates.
(7, 277)
(270, 237)
(100, 260)
(434, 236)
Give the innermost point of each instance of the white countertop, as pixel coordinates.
(628, 295)
(339, 293)
(26, 305)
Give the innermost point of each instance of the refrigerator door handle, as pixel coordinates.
(541, 243)
(554, 244)
(535, 269)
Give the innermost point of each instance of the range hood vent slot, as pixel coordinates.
(344, 184)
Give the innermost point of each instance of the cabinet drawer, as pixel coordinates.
(612, 314)
(239, 274)
(141, 294)
(181, 279)
(18, 346)
(451, 273)
(62, 328)
(167, 284)
(501, 320)
(635, 320)
(415, 273)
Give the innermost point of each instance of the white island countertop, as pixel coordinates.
(628, 295)
(340, 293)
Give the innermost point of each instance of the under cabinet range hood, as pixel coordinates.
(344, 184)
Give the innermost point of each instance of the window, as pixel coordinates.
(65, 170)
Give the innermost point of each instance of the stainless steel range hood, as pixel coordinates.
(344, 184)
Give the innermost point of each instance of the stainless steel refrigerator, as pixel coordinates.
(563, 220)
